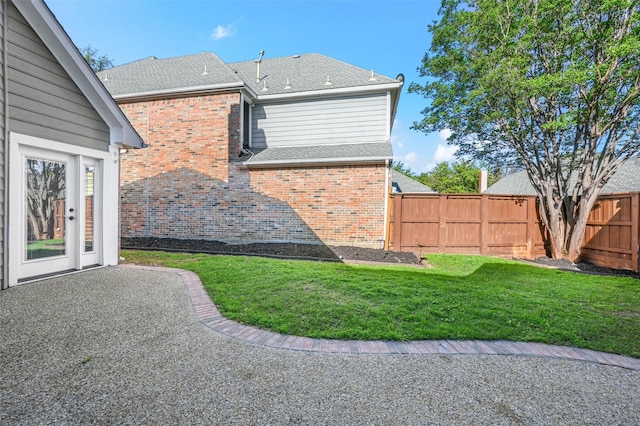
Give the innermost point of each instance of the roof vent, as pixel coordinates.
(296, 56)
(328, 82)
(106, 77)
(205, 71)
(372, 78)
(258, 61)
(288, 86)
(264, 86)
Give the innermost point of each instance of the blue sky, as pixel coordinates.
(389, 37)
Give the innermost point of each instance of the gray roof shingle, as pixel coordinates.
(402, 183)
(151, 75)
(308, 72)
(304, 73)
(626, 179)
(360, 152)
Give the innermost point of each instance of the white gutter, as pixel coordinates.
(386, 201)
(194, 90)
(314, 162)
(5, 164)
(328, 92)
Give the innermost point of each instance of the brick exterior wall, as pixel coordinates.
(187, 184)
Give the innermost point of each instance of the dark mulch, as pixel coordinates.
(583, 267)
(330, 253)
(277, 250)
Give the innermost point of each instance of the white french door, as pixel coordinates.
(54, 202)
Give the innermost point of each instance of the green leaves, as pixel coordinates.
(529, 84)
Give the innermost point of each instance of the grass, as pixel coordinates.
(461, 297)
(45, 248)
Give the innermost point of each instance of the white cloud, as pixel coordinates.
(444, 153)
(396, 141)
(414, 162)
(445, 134)
(223, 31)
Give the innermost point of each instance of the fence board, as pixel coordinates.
(499, 225)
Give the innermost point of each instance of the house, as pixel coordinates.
(626, 179)
(61, 137)
(401, 183)
(292, 149)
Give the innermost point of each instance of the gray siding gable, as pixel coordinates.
(348, 119)
(44, 100)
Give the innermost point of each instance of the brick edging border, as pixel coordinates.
(207, 313)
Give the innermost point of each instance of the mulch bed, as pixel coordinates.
(583, 267)
(331, 253)
(277, 250)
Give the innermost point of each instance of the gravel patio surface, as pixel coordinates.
(123, 346)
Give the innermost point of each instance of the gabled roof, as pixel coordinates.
(358, 153)
(151, 76)
(626, 179)
(44, 23)
(402, 183)
(306, 73)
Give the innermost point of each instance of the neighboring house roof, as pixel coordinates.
(626, 179)
(402, 183)
(320, 154)
(58, 42)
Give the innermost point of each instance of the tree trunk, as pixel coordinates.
(565, 238)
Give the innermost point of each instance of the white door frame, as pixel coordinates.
(106, 217)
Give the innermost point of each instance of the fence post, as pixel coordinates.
(635, 228)
(442, 230)
(397, 222)
(484, 224)
(532, 221)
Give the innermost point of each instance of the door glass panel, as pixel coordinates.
(45, 186)
(89, 174)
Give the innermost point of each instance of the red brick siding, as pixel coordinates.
(341, 204)
(184, 185)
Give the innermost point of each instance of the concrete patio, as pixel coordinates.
(126, 346)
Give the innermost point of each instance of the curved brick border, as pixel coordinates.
(207, 313)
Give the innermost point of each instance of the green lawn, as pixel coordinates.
(461, 297)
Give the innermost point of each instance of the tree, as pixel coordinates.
(549, 85)
(97, 63)
(45, 185)
(458, 178)
(399, 166)
(461, 177)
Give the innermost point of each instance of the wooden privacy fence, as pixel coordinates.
(507, 225)
(611, 237)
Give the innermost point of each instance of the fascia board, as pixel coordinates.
(315, 162)
(195, 90)
(58, 42)
(330, 92)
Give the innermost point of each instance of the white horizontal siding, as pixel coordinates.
(355, 119)
(44, 100)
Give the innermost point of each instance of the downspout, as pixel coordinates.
(5, 165)
(386, 203)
